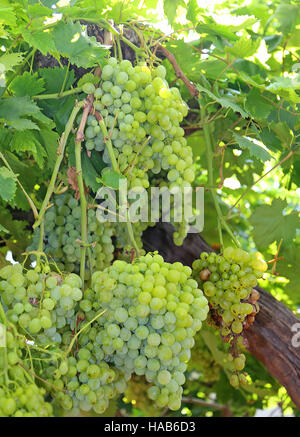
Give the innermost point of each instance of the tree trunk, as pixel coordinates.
(269, 338)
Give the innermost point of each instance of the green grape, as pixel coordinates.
(142, 115)
(88, 88)
(227, 281)
(21, 398)
(60, 242)
(239, 362)
(134, 337)
(234, 380)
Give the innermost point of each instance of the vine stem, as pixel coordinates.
(83, 203)
(203, 403)
(65, 79)
(108, 144)
(41, 241)
(220, 235)
(19, 68)
(119, 48)
(288, 156)
(4, 321)
(60, 155)
(30, 201)
(80, 331)
(59, 95)
(34, 375)
(209, 153)
(2, 315)
(178, 71)
(114, 31)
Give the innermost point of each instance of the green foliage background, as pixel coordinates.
(244, 58)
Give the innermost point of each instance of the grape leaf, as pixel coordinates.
(49, 139)
(22, 124)
(211, 69)
(192, 11)
(41, 40)
(7, 184)
(27, 84)
(210, 27)
(226, 102)
(112, 179)
(287, 267)
(28, 142)
(7, 13)
(90, 174)
(270, 223)
(286, 88)
(283, 132)
(22, 169)
(255, 150)
(10, 60)
(192, 63)
(256, 105)
(272, 41)
(13, 109)
(294, 41)
(269, 139)
(63, 112)
(286, 15)
(122, 11)
(36, 11)
(82, 50)
(243, 47)
(170, 9)
(54, 78)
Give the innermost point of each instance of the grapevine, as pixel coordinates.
(145, 177)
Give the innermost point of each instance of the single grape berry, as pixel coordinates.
(88, 88)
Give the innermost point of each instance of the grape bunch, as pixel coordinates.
(228, 281)
(19, 394)
(63, 233)
(152, 311)
(41, 304)
(142, 116)
(85, 382)
(46, 307)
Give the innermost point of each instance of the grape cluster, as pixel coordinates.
(62, 236)
(142, 116)
(85, 382)
(44, 305)
(48, 308)
(152, 311)
(19, 395)
(228, 281)
(24, 401)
